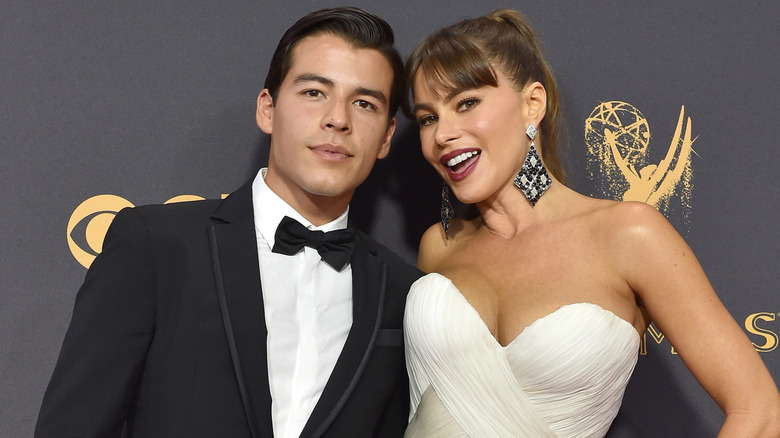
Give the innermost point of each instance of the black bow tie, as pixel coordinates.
(335, 247)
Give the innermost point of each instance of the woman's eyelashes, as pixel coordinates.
(467, 103)
(463, 105)
(426, 120)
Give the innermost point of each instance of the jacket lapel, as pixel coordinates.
(368, 291)
(236, 270)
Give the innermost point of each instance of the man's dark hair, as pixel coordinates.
(359, 28)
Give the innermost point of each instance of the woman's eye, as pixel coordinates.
(426, 120)
(467, 104)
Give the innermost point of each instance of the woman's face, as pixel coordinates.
(475, 138)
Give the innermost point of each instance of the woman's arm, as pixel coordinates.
(672, 287)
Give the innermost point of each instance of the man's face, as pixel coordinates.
(329, 122)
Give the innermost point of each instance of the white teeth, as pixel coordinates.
(461, 158)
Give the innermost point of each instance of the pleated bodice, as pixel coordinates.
(563, 376)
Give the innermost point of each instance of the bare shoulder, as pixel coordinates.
(435, 246)
(633, 234)
(644, 246)
(631, 222)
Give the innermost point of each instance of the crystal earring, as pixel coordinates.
(532, 179)
(446, 210)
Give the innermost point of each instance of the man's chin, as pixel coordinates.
(330, 191)
(332, 187)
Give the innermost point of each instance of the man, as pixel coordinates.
(208, 319)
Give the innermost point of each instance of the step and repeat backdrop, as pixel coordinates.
(105, 105)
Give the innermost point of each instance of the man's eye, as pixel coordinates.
(365, 104)
(312, 93)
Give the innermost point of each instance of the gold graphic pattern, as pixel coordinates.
(770, 338)
(618, 138)
(95, 215)
(89, 222)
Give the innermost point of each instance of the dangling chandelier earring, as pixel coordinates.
(446, 210)
(532, 179)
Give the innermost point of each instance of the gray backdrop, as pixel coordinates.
(147, 100)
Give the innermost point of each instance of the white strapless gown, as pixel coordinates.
(563, 376)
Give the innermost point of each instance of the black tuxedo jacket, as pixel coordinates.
(168, 335)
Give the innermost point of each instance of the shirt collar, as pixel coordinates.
(269, 209)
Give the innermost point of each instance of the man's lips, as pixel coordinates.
(331, 151)
(460, 163)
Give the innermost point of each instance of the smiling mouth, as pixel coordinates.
(461, 161)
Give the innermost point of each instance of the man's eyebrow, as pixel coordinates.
(376, 94)
(311, 77)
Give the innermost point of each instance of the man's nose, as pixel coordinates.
(337, 117)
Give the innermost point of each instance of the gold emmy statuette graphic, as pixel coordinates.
(93, 217)
(617, 136)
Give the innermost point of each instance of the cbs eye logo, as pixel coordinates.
(89, 222)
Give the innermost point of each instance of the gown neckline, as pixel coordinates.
(486, 329)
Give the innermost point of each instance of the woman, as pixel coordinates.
(494, 340)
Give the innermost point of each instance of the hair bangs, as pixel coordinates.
(451, 63)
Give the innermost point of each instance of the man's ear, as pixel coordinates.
(385, 148)
(265, 111)
(536, 102)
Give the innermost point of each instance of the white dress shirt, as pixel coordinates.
(308, 313)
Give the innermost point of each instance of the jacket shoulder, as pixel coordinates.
(179, 209)
(174, 215)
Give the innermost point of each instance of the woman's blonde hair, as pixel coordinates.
(462, 56)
